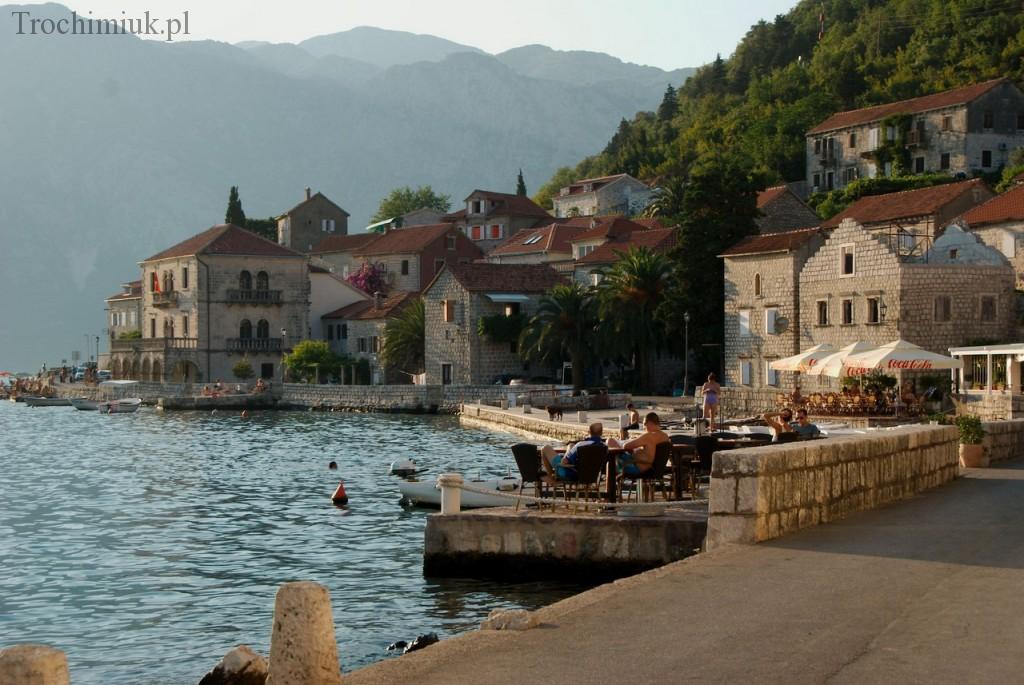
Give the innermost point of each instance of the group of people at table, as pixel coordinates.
(637, 454)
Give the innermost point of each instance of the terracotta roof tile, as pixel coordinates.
(504, 278)
(772, 242)
(769, 195)
(948, 98)
(611, 227)
(655, 239)
(367, 310)
(411, 240)
(904, 204)
(226, 239)
(505, 203)
(1006, 207)
(344, 243)
(554, 237)
(313, 197)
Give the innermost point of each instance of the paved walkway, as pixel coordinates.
(930, 590)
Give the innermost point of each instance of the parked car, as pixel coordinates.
(507, 379)
(104, 374)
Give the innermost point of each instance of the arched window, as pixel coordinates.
(245, 330)
(757, 285)
(245, 281)
(263, 329)
(262, 281)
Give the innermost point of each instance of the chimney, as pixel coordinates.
(378, 300)
(309, 192)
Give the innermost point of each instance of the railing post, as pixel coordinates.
(451, 493)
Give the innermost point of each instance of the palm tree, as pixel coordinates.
(404, 339)
(628, 295)
(562, 327)
(668, 199)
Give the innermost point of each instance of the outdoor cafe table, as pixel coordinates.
(677, 467)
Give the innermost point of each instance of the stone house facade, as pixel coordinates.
(489, 218)
(338, 253)
(1000, 224)
(781, 210)
(305, 225)
(618, 194)
(328, 292)
(762, 305)
(456, 300)
(908, 221)
(548, 244)
(211, 300)
(357, 331)
(423, 216)
(124, 310)
(963, 130)
(411, 257)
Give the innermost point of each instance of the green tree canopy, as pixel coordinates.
(405, 339)
(546, 192)
(404, 200)
(563, 328)
(234, 214)
(243, 369)
(311, 359)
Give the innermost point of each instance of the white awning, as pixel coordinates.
(372, 227)
(507, 297)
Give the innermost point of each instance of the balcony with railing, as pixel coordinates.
(164, 345)
(254, 296)
(254, 345)
(916, 138)
(167, 299)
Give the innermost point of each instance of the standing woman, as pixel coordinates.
(711, 391)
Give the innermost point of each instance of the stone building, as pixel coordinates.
(305, 225)
(1000, 223)
(588, 266)
(423, 216)
(220, 296)
(411, 257)
(328, 292)
(489, 217)
(357, 330)
(911, 219)
(618, 194)
(762, 305)
(967, 129)
(338, 253)
(602, 230)
(550, 244)
(124, 310)
(456, 301)
(782, 210)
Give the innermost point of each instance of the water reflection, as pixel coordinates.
(147, 545)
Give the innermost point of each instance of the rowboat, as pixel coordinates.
(425, 493)
(127, 405)
(47, 402)
(84, 404)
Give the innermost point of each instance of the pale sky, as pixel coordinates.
(663, 33)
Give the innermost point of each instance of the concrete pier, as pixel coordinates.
(526, 544)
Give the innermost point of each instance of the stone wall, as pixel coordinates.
(534, 423)
(1004, 440)
(762, 493)
(994, 406)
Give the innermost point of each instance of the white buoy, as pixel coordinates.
(403, 468)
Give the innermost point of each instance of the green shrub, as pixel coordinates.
(971, 430)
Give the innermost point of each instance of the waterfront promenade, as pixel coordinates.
(923, 591)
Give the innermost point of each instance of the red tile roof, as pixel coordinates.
(948, 98)
(649, 222)
(505, 203)
(655, 239)
(554, 237)
(904, 204)
(411, 240)
(769, 195)
(344, 243)
(576, 188)
(610, 227)
(504, 278)
(225, 239)
(772, 242)
(367, 310)
(1006, 207)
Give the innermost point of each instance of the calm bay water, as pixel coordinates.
(145, 546)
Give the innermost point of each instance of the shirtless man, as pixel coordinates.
(644, 447)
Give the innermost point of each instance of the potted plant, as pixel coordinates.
(972, 452)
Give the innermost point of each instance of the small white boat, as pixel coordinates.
(127, 405)
(47, 402)
(84, 404)
(425, 493)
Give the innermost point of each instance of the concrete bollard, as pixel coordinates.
(303, 649)
(581, 417)
(451, 494)
(33, 665)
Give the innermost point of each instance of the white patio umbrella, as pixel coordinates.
(900, 355)
(835, 364)
(803, 361)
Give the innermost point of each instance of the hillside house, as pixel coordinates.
(489, 218)
(305, 225)
(550, 244)
(357, 330)
(617, 194)
(999, 222)
(411, 257)
(781, 210)
(587, 268)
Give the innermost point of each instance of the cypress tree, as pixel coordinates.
(234, 215)
(520, 184)
(669, 105)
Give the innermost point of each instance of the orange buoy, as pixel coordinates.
(339, 496)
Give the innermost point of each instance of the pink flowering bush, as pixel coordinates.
(369, 279)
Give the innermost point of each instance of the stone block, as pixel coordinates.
(490, 544)
(748, 499)
(303, 648)
(722, 495)
(725, 529)
(33, 665)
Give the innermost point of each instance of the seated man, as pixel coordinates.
(563, 466)
(780, 421)
(641, 450)
(803, 425)
(634, 418)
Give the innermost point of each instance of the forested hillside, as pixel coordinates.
(787, 75)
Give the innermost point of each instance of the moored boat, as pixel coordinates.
(47, 402)
(127, 405)
(425, 493)
(84, 404)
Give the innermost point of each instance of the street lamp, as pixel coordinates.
(882, 309)
(686, 354)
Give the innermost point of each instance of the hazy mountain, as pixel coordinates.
(383, 48)
(114, 148)
(583, 67)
